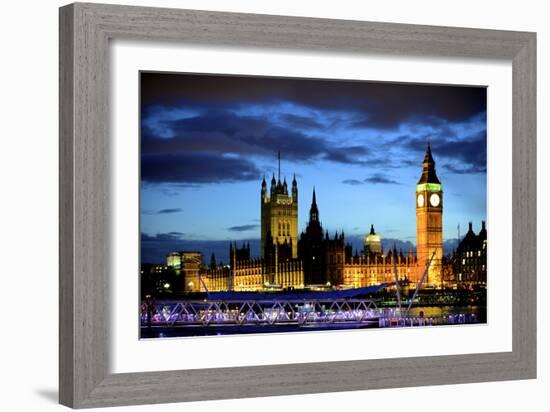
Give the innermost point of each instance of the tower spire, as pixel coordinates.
(428, 168)
(313, 211)
(428, 158)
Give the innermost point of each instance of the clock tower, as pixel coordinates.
(429, 222)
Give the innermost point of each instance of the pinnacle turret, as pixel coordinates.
(314, 210)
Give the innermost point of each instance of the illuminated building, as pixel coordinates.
(429, 221)
(249, 275)
(279, 214)
(470, 258)
(317, 259)
(188, 264)
(374, 269)
(173, 260)
(329, 261)
(373, 266)
(278, 268)
(242, 274)
(342, 269)
(373, 243)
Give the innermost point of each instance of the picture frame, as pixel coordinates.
(85, 33)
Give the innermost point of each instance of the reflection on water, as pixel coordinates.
(445, 311)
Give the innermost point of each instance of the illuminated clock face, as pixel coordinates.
(420, 200)
(434, 200)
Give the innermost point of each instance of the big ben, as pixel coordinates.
(429, 222)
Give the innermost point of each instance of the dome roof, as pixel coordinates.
(372, 236)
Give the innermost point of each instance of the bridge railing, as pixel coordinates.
(183, 313)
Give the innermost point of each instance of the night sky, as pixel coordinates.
(207, 141)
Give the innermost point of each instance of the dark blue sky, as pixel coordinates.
(207, 141)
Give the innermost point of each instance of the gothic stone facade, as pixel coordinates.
(248, 274)
(318, 259)
(279, 219)
(329, 260)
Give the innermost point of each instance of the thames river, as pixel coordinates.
(427, 314)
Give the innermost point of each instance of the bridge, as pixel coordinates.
(258, 312)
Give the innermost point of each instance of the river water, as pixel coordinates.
(434, 312)
(445, 311)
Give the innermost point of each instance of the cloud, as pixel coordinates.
(242, 228)
(196, 168)
(376, 178)
(156, 252)
(409, 162)
(378, 104)
(468, 169)
(219, 146)
(224, 131)
(467, 155)
(380, 179)
(169, 211)
(200, 129)
(459, 148)
(161, 211)
(352, 182)
(348, 155)
(299, 122)
(162, 237)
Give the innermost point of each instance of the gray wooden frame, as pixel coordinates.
(85, 31)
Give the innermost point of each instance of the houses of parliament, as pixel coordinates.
(314, 258)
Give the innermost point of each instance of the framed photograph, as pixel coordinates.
(257, 205)
(268, 260)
